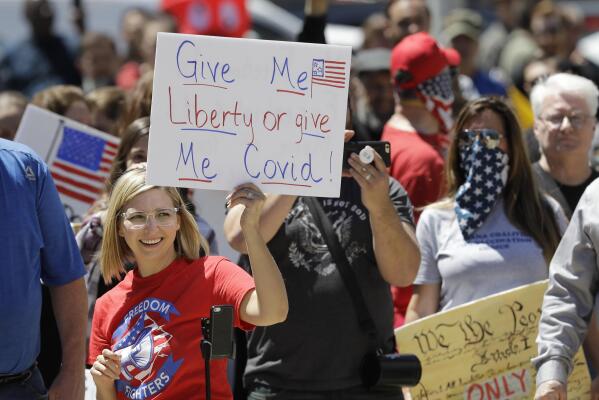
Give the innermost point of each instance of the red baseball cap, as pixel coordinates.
(421, 58)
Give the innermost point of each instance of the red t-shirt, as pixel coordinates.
(417, 162)
(154, 323)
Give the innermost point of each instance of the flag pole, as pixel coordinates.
(55, 139)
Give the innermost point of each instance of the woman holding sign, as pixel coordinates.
(146, 332)
(133, 149)
(495, 231)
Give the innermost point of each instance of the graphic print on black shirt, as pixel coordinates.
(310, 250)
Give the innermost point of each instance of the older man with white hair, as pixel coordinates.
(564, 107)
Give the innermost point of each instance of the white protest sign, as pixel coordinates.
(229, 111)
(79, 157)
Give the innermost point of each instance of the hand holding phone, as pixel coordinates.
(382, 148)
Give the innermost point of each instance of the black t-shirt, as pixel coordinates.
(573, 193)
(320, 345)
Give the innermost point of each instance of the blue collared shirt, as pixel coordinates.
(36, 243)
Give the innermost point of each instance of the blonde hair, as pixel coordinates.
(115, 251)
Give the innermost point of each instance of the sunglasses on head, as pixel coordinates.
(490, 138)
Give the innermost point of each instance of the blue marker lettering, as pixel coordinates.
(205, 166)
(308, 166)
(281, 71)
(283, 169)
(191, 62)
(245, 160)
(185, 159)
(213, 70)
(300, 79)
(274, 169)
(224, 71)
(214, 75)
(293, 170)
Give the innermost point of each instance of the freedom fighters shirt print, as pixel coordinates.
(154, 323)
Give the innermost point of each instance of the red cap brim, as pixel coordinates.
(452, 56)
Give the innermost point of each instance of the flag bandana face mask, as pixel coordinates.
(485, 167)
(437, 95)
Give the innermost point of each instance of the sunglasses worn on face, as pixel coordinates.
(489, 138)
(138, 219)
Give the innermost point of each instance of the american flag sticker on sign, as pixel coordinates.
(82, 164)
(329, 73)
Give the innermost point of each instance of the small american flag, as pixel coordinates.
(82, 164)
(328, 73)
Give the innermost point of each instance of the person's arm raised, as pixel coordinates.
(267, 304)
(394, 241)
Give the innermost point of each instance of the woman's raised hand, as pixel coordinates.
(252, 198)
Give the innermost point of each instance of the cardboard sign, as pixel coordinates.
(482, 350)
(229, 111)
(79, 157)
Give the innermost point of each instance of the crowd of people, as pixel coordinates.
(491, 127)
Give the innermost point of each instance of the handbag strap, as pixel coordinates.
(347, 274)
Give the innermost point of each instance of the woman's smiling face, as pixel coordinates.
(154, 243)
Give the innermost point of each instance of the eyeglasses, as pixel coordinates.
(490, 138)
(576, 120)
(138, 220)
